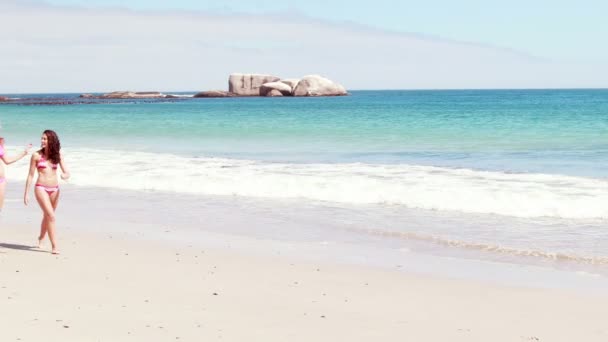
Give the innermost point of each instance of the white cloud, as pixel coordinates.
(55, 49)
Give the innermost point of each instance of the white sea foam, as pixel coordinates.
(435, 188)
(488, 247)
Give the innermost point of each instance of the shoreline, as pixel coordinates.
(290, 229)
(300, 230)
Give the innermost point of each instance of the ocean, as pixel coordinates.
(510, 176)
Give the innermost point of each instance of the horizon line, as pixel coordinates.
(349, 90)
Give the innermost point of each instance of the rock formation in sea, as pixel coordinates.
(315, 85)
(280, 87)
(273, 93)
(245, 85)
(133, 95)
(291, 82)
(248, 84)
(269, 85)
(214, 93)
(130, 95)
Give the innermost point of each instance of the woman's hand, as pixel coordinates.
(25, 199)
(65, 176)
(27, 149)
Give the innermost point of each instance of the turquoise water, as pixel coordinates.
(549, 131)
(521, 173)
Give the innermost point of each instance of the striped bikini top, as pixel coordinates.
(42, 163)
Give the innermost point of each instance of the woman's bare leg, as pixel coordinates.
(42, 231)
(54, 201)
(43, 225)
(45, 201)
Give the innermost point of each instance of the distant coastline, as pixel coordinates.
(76, 98)
(239, 85)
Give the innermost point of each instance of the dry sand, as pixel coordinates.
(118, 288)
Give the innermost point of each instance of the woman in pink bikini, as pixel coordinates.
(46, 189)
(7, 161)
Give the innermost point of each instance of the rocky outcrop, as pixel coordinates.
(118, 95)
(274, 93)
(149, 94)
(214, 93)
(291, 82)
(127, 95)
(245, 85)
(248, 84)
(279, 87)
(315, 85)
(132, 95)
(3, 99)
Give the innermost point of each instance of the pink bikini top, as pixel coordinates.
(1, 151)
(42, 164)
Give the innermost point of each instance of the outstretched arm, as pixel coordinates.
(65, 173)
(11, 160)
(30, 176)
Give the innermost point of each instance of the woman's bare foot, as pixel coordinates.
(55, 251)
(39, 243)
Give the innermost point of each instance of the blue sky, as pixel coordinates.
(565, 30)
(99, 46)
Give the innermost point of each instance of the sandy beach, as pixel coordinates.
(303, 171)
(116, 287)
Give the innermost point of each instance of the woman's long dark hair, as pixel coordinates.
(53, 146)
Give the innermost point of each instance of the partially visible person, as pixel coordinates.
(46, 160)
(8, 160)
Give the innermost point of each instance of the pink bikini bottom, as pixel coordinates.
(49, 189)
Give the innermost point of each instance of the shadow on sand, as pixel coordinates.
(20, 247)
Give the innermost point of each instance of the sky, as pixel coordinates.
(71, 45)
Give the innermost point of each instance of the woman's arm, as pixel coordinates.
(30, 176)
(65, 174)
(11, 160)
